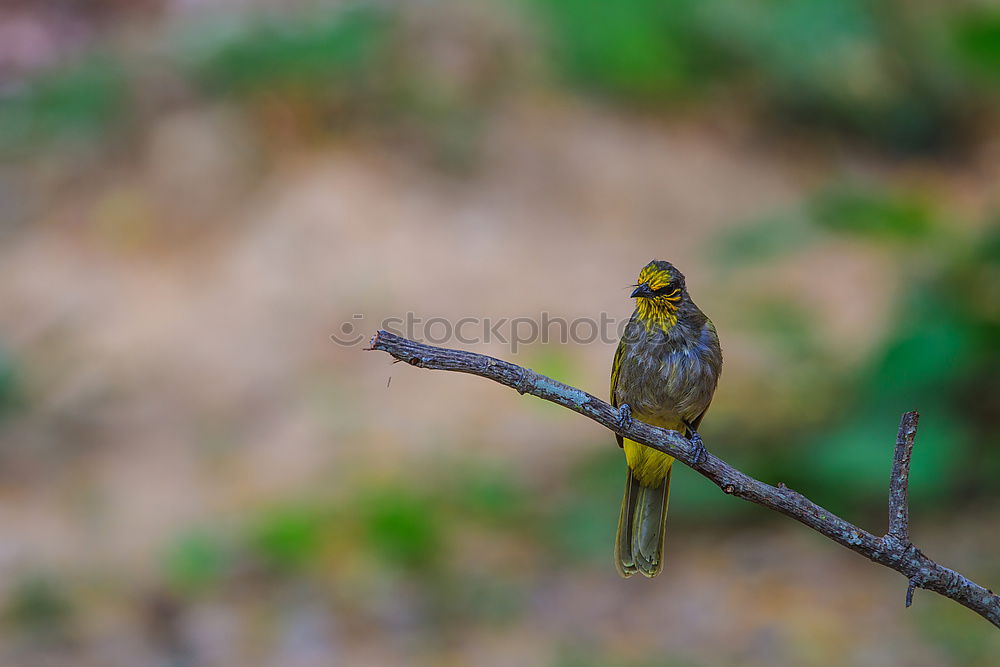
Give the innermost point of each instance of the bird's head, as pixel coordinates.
(659, 283)
(658, 293)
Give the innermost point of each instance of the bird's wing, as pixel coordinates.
(696, 422)
(708, 328)
(615, 368)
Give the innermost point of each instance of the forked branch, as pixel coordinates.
(893, 550)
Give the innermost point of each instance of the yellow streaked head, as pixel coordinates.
(658, 294)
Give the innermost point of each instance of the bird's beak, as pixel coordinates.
(642, 291)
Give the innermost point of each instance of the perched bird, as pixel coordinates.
(665, 372)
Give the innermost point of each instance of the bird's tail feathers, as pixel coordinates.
(641, 527)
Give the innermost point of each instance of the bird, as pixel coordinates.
(665, 372)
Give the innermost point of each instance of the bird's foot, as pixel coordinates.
(624, 416)
(700, 453)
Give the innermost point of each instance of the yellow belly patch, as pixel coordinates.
(648, 465)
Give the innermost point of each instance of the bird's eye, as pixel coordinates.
(670, 291)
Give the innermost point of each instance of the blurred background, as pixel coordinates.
(195, 194)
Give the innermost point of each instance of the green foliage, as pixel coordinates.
(80, 101)
(931, 350)
(807, 51)
(927, 362)
(760, 240)
(314, 52)
(197, 561)
(850, 66)
(788, 327)
(872, 213)
(555, 361)
(289, 538)
(40, 608)
(977, 39)
(903, 80)
(874, 71)
(349, 63)
(581, 527)
(401, 527)
(640, 50)
(11, 396)
(322, 55)
(843, 209)
(580, 522)
(849, 467)
(489, 493)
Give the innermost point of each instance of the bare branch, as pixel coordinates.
(899, 480)
(890, 550)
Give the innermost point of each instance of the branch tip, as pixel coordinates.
(372, 342)
(899, 479)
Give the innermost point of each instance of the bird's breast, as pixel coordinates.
(666, 380)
